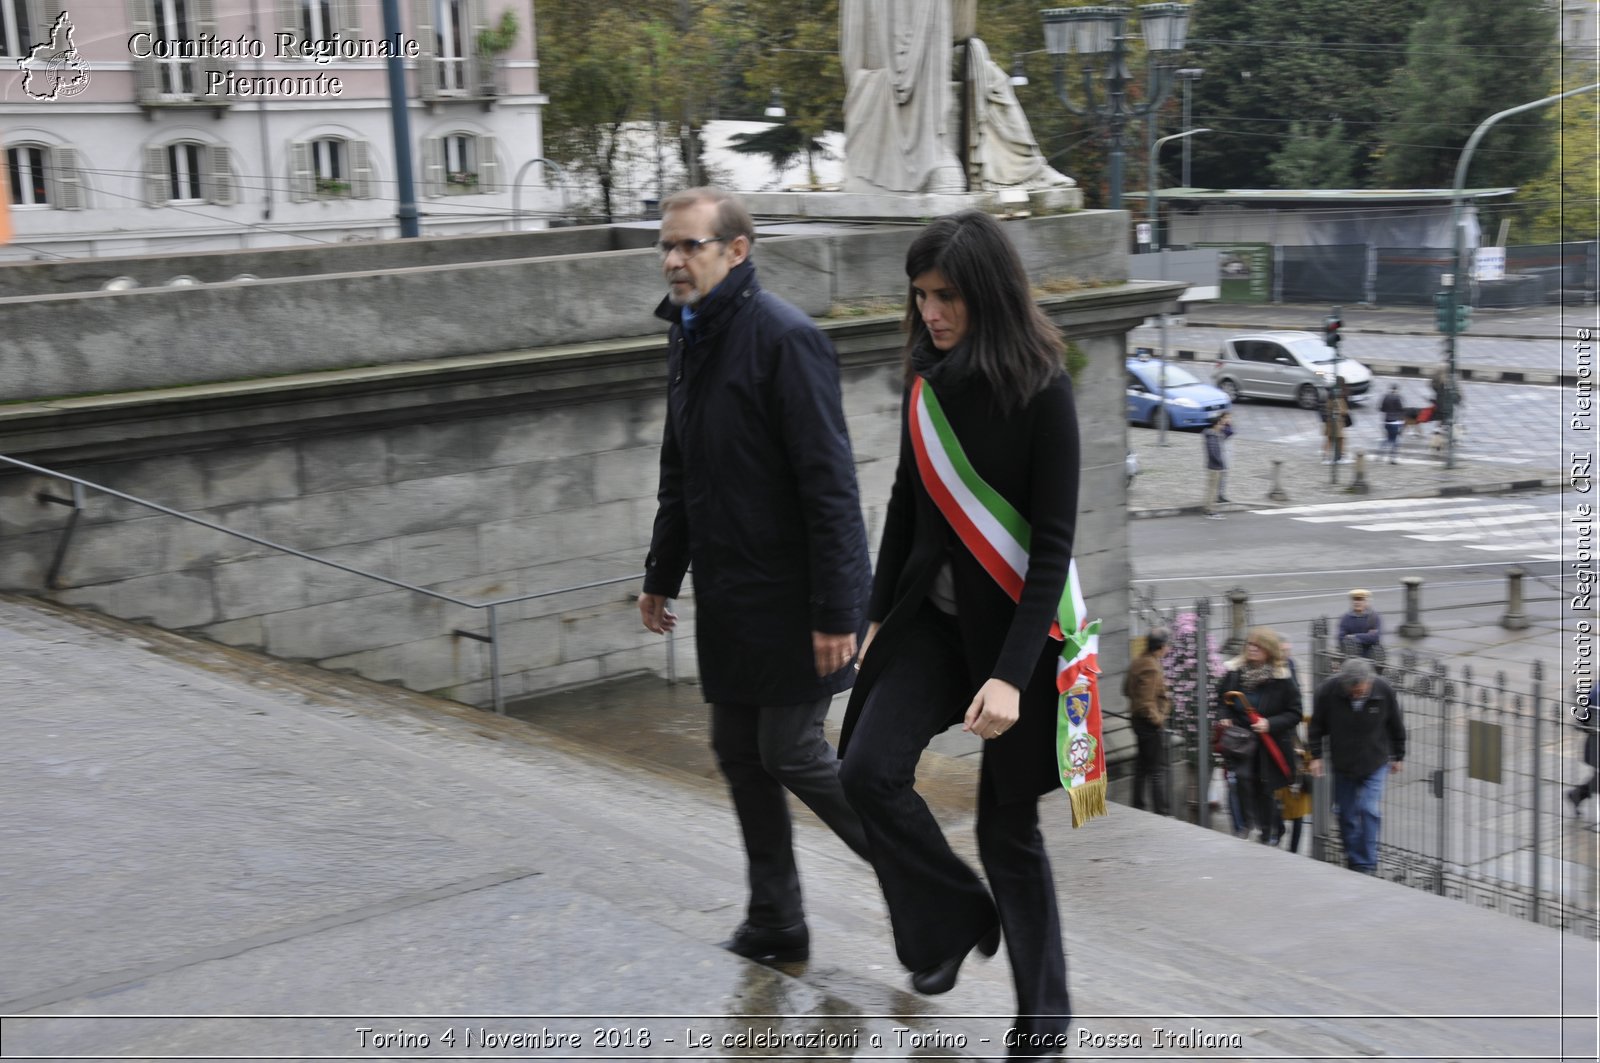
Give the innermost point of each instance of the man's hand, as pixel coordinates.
(994, 709)
(832, 652)
(655, 614)
(1316, 767)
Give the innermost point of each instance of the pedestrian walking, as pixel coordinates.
(1146, 689)
(1359, 715)
(1215, 435)
(1394, 421)
(989, 431)
(758, 493)
(1258, 696)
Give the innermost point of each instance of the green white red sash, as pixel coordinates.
(998, 537)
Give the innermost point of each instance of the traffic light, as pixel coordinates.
(1441, 314)
(1330, 329)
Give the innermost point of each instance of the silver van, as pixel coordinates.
(1285, 365)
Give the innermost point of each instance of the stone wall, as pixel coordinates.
(88, 343)
(481, 478)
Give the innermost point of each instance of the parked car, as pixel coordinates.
(1190, 401)
(1285, 365)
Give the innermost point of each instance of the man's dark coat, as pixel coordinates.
(758, 494)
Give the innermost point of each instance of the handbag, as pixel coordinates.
(1234, 743)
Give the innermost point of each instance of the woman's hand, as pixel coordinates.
(994, 709)
(1259, 727)
(872, 633)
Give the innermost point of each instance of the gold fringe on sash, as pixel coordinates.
(1088, 801)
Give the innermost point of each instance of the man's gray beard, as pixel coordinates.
(687, 300)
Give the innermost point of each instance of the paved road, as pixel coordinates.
(1473, 352)
(1517, 429)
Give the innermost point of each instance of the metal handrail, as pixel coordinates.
(493, 638)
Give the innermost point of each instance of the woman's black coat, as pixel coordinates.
(1278, 701)
(1031, 459)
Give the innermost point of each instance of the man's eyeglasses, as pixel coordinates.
(687, 248)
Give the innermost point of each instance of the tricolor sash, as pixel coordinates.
(998, 537)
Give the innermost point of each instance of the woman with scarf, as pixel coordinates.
(949, 644)
(1259, 693)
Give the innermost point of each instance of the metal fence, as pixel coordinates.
(1478, 813)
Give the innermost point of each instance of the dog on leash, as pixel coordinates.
(1443, 433)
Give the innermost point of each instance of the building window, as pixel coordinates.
(28, 185)
(459, 164)
(188, 172)
(316, 19)
(328, 163)
(183, 173)
(330, 168)
(453, 29)
(17, 35)
(39, 175)
(175, 23)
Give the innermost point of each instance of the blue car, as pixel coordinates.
(1190, 401)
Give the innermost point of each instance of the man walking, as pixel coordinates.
(1394, 419)
(1360, 716)
(758, 494)
(1146, 690)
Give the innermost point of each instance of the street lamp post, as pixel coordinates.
(1458, 279)
(1098, 35)
(1155, 245)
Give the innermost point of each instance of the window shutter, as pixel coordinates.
(488, 166)
(289, 22)
(433, 176)
(349, 16)
(147, 80)
(360, 169)
(428, 46)
(205, 22)
(219, 185)
(66, 179)
(49, 11)
(478, 66)
(157, 178)
(302, 182)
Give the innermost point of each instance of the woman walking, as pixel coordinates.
(948, 643)
(1258, 693)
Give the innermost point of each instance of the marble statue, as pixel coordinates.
(896, 60)
(1001, 151)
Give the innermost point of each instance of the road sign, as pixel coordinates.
(1489, 263)
(1142, 232)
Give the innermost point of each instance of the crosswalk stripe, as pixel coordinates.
(1433, 525)
(1512, 507)
(1371, 504)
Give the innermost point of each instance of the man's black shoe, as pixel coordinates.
(941, 977)
(764, 944)
(1576, 797)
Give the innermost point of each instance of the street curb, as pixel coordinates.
(1499, 487)
(1418, 372)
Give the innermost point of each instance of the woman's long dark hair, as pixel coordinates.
(1008, 339)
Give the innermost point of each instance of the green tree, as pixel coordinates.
(1560, 204)
(798, 55)
(1269, 63)
(1310, 160)
(1466, 60)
